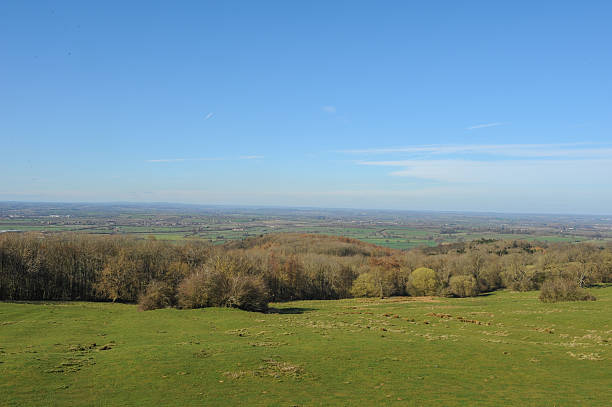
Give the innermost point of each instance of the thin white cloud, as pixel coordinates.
(175, 160)
(500, 150)
(168, 160)
(504, 172)
(209, 116)
(495, 165)
(482, 126)
(329, 109)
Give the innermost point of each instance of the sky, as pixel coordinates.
(433, 105)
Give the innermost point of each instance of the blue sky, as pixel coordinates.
(473, 106)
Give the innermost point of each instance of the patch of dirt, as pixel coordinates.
(78, 356)
(585, 356)
(458, 318)
(242, 332)
(368, 302)
(277, 369)
(496, 333)
(545, 330)
(271, 368)
(203, 353)
(267, 344)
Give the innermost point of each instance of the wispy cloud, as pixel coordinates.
(329, 109)
(508, 172)
(491, 166)
(496, 150)
(168, 160)
(501, 164)
(176, 160)
(482, 126)
(209, 116)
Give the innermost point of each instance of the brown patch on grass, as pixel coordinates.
(493, 340)
(439, 315)
(428, 336)
(472, 321)
(496, 333)
(585, 356)
(545, 330)
(271, 368)
(81, 348)
(488, 314)
(78, 356)
(410, 299)
(71, 365)
(242, 332)
(458, 318)
(238, 374)
(278, 369)
(203, 353)
(267, 344)
(368, 302)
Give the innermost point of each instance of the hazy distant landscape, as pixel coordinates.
(219, 224)
(222, 305)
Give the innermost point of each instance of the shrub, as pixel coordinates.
(248, 293)
(192, 292)
(522, 278)
(372, 284)
(563, 289)
(463, 286)
(423, 281)
(158, 295)
(223, 283)
(365, 286)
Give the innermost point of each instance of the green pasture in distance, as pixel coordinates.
(396, 237)
(40, 228)
(505, 348)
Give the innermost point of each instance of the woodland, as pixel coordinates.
(250, 273)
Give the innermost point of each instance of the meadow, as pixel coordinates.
(402, 238)
(501, 348)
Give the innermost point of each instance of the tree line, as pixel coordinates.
(248, 274)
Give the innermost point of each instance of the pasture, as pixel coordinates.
(504, 348)
(396, 237)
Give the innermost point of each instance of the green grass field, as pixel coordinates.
(396, 237)
(505, 348)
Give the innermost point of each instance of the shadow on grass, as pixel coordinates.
(290, 310)
(600, 285)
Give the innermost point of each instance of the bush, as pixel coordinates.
(193, 291)
(563, 289)
(248, 293)
(372, 284)
(463, 286)
(222, 283)
(158, 295)
(423, 281)
(521, 280)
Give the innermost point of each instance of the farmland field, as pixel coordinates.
(504, 348)
(218, 225)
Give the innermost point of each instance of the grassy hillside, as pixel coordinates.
(505, 348)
